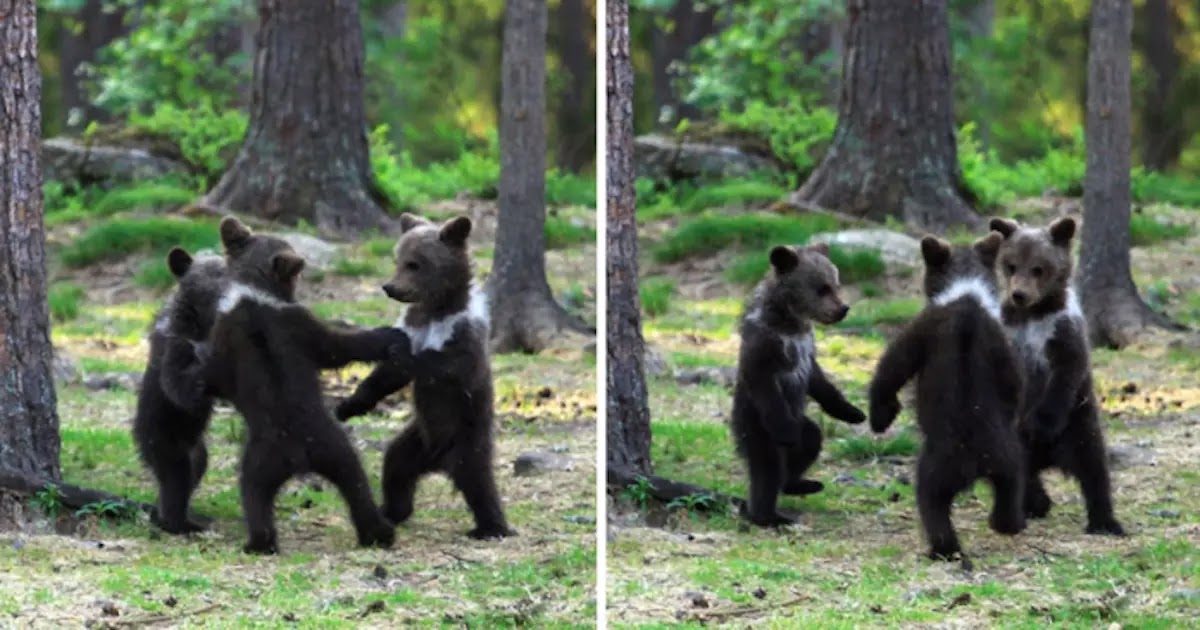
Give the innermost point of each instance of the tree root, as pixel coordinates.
(76, 497)
(666, 490)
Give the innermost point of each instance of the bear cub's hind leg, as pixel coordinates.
(798, 459)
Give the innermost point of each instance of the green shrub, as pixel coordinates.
(407, 187)
(64, 299)
(1147, 230)
(144, 196)
(853, 265)
(799, 135)
(562, 232)
(737, 192)
(569, 189)
(656, 294)
(712, 233)
(207, 138)
(154, 274)
(351, 268)
(119, 237)
(380, 247)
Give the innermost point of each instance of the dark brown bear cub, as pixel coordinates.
(777, 370)
(452, 427)
(173, 410)
(267, 355)
(968, 389)
(1060, 421)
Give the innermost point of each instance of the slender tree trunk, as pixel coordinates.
(101, 22)
(1114, 310)
(894, 152)
(628, 413)
(1162, 130)
(524, 315)
(29, 438)
(305, 155)
(690, 24)
(576, 111)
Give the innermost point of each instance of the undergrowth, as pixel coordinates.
(711, 233)
(122, 236)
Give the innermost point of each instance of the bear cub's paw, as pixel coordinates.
(1008, 524)
(261, 546)
(1108, 527)
(802, 487)
(381, 536)
(883, 412)
(493, 532)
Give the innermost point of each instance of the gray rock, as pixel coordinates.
(1165, 513)
(722, 375)
(665, 158)
(317, 253)
(895, 248)
(535, 462)
(66, 370)
(1126, 456)
(127, 381)
(1187, 594)
(580, 520)
(71, 161)
(655, 364)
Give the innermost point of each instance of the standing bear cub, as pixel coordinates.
(172, 409)
(452, 426)
(267, 353)
(777, 370)
(968, 390)
(1060, 420)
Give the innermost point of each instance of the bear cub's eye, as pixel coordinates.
(1036, 271)
(1010, 269)
(412, 265)
(825, 290)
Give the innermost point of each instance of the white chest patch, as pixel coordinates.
(804, 348)
(435, 334)
(236, 292)
(974, 288)
(1029, 339)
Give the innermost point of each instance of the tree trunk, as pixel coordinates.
(576, 115)
(1114, 310)
(101, 22)
(894, 152)
(690, 24)
(1162, 130)
(305, 154)
(628, 411)
(29, 438)
(524, 315)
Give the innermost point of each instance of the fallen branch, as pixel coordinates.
(666, 490)
(722, 615)
(153, 619)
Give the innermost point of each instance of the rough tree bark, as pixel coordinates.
(29, 439)
(1115, 312)
(1162, 131)
(524, 315)
(305, 154)
(576, 116)
(894, 152)
(628, 427)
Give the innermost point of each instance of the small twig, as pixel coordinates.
(459, 558)
(721, 615)
(153, 619)
(1044, 552)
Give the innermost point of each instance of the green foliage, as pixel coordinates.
(694, 503)
(108, 509)
(119, 237)
(656, 294)
(735, 192)
(796, 134)
(64, 299)
(1148, 230)
(154, 274)
(380, 247)
(48, 500)
(711, 233)
(562, 232)
(207, 137)
(353, 268)
(866, 448)
(871, 312)
(569, 189)
(407, 187)
(638, 492)
(145, 196)
(854, 265)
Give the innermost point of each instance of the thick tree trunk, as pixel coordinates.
(1162, 130)
(102, 22)
(894, 152)
(305, 155)
(690, 24)
(576, 114)
(524, 315)
(1114, 310)
(29, 438)
(628, 411)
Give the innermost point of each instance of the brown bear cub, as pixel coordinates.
(452, 426)
(777, 370)
(267, 356)
(173, 410)
(968, 390)
(1060, 421)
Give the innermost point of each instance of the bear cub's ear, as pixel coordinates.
(935, 251)
(1006, 227)
(287, 265)
(988, 246)
(784, 259)
(234, 234)
(455, 231)
(409, 221)
(178, 261)
(819, 248)
(1062, 230)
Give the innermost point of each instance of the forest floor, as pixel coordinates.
(78, 570)
(856, 560)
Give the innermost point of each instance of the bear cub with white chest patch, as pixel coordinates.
(452, 426)
(267, 353)
(172, 408)
(777, 370)
(1060, 421)
(968, 390)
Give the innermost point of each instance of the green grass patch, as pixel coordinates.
(711, 233)
(120, 237)
(353, 268)
(146, 196)
(154, 274)
(65, 299)
(864, 448)
(1147, 230)
(871, 312)
(656, 294)
(737, 192)
(563, 232)
(100, 366)
(380, 247)
(854, 265)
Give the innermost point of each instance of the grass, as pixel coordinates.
(65, 299)
(354, 268)
(1147, 230)
(154, 274)
(656, 294)
(711, 233)
(145, 196)
(563, 232)
(685, 199)
(123, 236)
(854, 265)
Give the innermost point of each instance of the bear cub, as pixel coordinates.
(777, 370)
(968, 389)
(452, 426)
(1060, 417)
(172, 409)
(267, 353)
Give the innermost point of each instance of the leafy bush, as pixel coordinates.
(796, 134)
(854, 265)
(1147, 230)
(569, 189)
(207, 138)
(64, 299)
(562, 232)
(710, 233)
(154, 274)
(120, 237)
(656, 294)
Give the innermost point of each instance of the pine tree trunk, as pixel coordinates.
(1115, 312)
(29, 438)
(1162, 130)
(524, 315)
(894, 152)
(628, 430)
(576, 113)
(305, 154)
